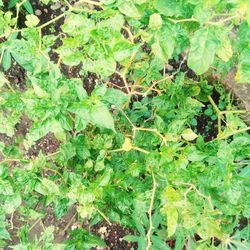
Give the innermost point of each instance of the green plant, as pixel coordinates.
(128, 155)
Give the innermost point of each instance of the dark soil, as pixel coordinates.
(48, 144)
(180, 65)
(112, 235)
(22, 128)
(16, 76)
(117, 82)
(45, 13)
(207, 127)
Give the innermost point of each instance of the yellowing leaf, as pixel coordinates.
(155, 21)
(127, 145)
(225, 52)
(31, 21)
(172, 220)
(189, 135)
(172, 195)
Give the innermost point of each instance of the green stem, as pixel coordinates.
(52, 20)
(183, 20)
(231, 134)
(217, 111)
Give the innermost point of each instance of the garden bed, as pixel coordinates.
(139, 149)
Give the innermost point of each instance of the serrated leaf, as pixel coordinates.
(202, 51)
(100, 116)
(189, 135)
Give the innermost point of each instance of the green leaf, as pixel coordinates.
(4, 234)
(107, 2)
(31, 21)
(243, 73)
(128, 8)
(100, 116)
(47, 187)
(131, 238)
(12, 3)
(163, 46)
(39, 91)
(6, 62)
(202, 51)
(12, 203)
(168, 7)
(27, 5)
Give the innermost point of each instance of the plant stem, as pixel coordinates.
(103, 215)
(218, 113)
(52, 20)
(141, 150)
(208, 198)
(18, 5)
(151, 226)
(175, 21)
(231, 134)
(89, 2)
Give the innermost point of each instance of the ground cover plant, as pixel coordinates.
(115, 132)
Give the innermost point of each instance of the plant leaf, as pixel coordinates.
(100, 116)
(202, 51)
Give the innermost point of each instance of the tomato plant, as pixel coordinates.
(129, 150)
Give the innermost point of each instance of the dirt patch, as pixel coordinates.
(48, 144)
(206, 126)
(90, 81)
(16, 76)
(22, 128)
(112, 235)
(180, 65)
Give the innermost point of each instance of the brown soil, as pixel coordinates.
(112, 235)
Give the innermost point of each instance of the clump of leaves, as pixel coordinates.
(128, 151)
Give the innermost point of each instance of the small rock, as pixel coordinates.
(38, 12)
(56, 6)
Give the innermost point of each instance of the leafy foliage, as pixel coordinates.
(135, 155)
